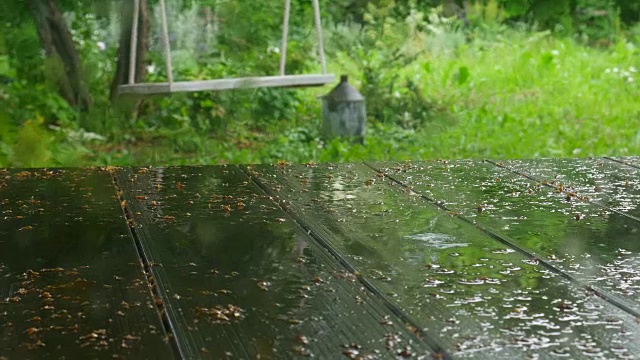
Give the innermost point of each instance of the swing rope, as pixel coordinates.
(316, 12)
(133, 49)
(285, 33)
(165, 42)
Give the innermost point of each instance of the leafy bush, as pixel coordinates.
(22, 105)
(385, 54)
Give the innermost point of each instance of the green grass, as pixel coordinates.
(526, 95)
(519, 94)
(535, 95)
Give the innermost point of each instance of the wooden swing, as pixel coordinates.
(170, 87)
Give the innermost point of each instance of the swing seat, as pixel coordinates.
(286, 81)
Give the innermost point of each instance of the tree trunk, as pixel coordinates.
(124, 51)
(58, 45)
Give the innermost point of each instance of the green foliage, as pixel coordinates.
(629, 11)
(594, 21)
(553, 14)
(598, 21)
(22, 105)
(384, 44)
(490, 12)
(7, 135)
(24, 50)
(31, 147)
(462, 76)
(515, 8)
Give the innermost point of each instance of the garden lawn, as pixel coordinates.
(517, 94)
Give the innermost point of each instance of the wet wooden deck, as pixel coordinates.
(458, 259)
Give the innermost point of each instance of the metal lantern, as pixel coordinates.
(343, 112)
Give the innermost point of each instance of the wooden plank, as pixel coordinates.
(237, 277)
(633, 161)
(449, 276)
(537, 218)
(71, 283)
(145, 89)
(227, 84)
(604, 182)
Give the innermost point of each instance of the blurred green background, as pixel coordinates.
(442, 79)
